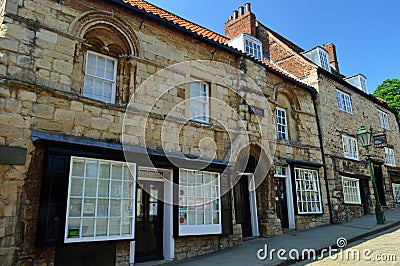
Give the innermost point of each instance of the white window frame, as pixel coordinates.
(396, 192)
(384, 119)
(344, 101)
(324, 59)
(363, 84)
(350, 147)
(96, 198)
(202, 100)
(281, 123)
(389, 157)
(99, 78)
(252, 47)
(351, 190)
(308, 192)
(185, 208)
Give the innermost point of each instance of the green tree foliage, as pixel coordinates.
(389, 90)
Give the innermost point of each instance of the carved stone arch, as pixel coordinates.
(81, 24)
(101, 32)
(290, 94)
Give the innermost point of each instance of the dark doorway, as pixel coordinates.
(99, 254)
(379, 183)
(242, 205)
(149, 221)
(364, 194)
(281, 201)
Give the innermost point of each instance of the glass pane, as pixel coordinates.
(104, 170)
(215, 205)
(76, 186)
(116, 189)
(90, 187)
(208, 217)
(102, 208)
(89, 206)
(200, 218)
(73, 228)
(191, 202)
(127, 208)
(101, 227)
(78, 168)
(91, 168)
(88, 227)
(191, 179)
(182, 218)
(128, 173)
(207, 178)
(115, 224)
(75, 208)
(215, 217)
(126, 226)
(199, 190)
(116, 171)
(191, 218)
(103, 188)
(115, 208)
(128, 189)
(183, 177)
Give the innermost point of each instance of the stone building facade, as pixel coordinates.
(109, 124)
(343, 104)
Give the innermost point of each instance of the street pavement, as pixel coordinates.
(380, 249)
(318, 239)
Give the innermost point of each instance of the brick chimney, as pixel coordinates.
(242, 21)
(331, 49)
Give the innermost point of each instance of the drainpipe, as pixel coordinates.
(314, 96)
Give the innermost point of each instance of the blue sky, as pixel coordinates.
(366, 33)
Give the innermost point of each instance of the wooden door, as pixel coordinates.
(242, 206)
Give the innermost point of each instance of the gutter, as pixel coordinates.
(212, 42)
(323, 159)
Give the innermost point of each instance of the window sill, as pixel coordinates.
(352, 113)
(353, 159)
(353, 203)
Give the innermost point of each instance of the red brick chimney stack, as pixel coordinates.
(331, 49)
(242, 21)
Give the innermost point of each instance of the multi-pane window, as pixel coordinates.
(281, 122)
(384, 119)
(199, 203)
(100, 200)
(323, 57)
(253, 48)
(350, 147)
(199, 101)
(389, 157)
(344, 101)
(100, 77)
(280, 171)
(396, 192)
(308, 193)
(351, 190)
(363, 85)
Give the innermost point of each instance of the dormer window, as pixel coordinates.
(319, 56)
(359, 81)
(252, 48)
(247, 44)
(324, 58)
